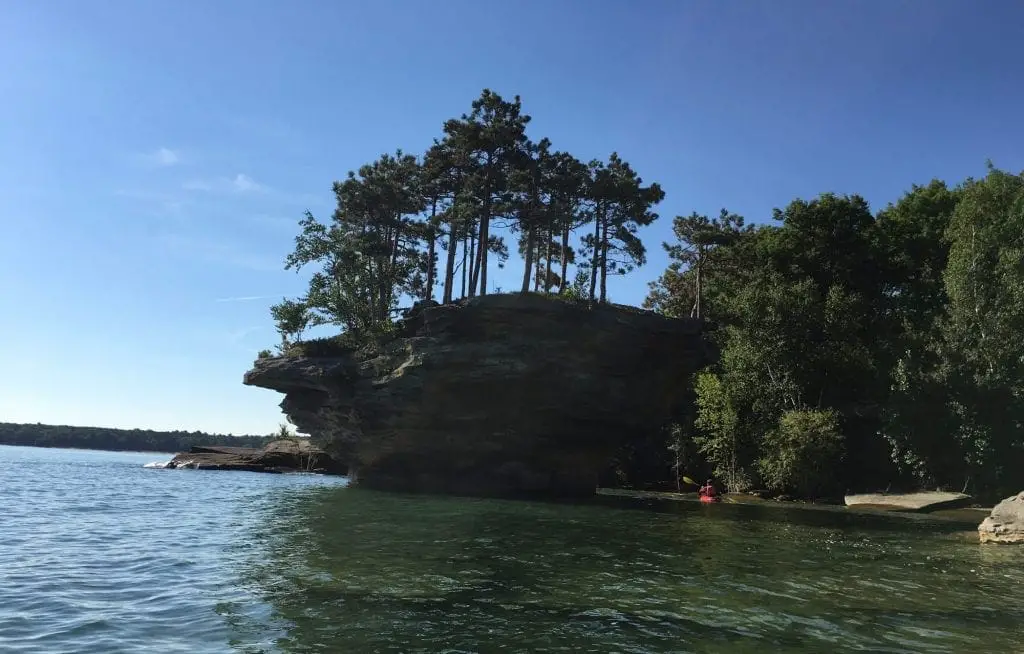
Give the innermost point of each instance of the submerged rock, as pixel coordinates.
(1006, 522)
(277, 456)
(497, 395)
(922, 501)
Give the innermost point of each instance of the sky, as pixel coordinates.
(155, 157)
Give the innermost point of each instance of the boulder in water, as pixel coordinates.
(922, 501)
(1006, 522)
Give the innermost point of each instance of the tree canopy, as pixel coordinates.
(483, 180)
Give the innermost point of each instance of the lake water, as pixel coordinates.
(98, 554)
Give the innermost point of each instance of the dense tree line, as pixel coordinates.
(858, 350)
(104, 438)
(429, 226)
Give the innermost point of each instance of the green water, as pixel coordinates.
(100, 555)
(353, 571)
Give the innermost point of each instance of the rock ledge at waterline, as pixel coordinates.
(503, 395)
(1006, 522)
(278, 456)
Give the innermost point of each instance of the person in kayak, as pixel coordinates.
(708, 491)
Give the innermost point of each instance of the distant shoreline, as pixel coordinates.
(117, 440)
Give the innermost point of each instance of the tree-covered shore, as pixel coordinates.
(128, 440)
(860, 349)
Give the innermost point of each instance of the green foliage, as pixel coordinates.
(718, 435)
(985, 278)
(620, 204)
(800, 328)
(492, 145)
(802, 452)
(284, 433)
(983, 365)
(367, 257)
(339, 344)
(264, 354)
(579, 291)
(128, 440)
(291, 319)
(903, 327)
(699, 239)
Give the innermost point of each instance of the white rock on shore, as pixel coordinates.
(1006, 522)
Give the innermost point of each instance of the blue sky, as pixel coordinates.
(155, 156)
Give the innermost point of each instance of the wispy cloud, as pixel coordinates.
(197, 185)
(141, 194)
(245, 184)
(220, 252)
(275, 222)
(245, 298)
(240, 183)
(165, 205)
(163, 157)
(236, 337)
(241, 338)
(280, 136)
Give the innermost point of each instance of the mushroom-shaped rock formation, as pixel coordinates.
(501, 395)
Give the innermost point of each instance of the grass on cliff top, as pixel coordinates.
(349, 342)
(571, 298)
(337, 345)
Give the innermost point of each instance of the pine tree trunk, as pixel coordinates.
(431, 260)
(481, 270)
(474, 263)
(449, 266)
(596, 259)
(385, 286)
(547, 259)
(565, 258)
(528, 267)
(536, 262)
(485, 231)
(431, 252)
(465, 251)
(695, 312)
(604, 267)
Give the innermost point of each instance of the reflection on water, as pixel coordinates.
(355, 571)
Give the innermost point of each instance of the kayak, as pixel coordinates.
(709, 498)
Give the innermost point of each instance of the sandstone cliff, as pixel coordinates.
(500, 395)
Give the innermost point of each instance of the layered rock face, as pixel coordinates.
(1006, 522)
(504, 395)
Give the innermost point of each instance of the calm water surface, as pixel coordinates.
(98, 554)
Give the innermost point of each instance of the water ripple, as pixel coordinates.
(100, 554)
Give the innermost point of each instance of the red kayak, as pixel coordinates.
(707, 493)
